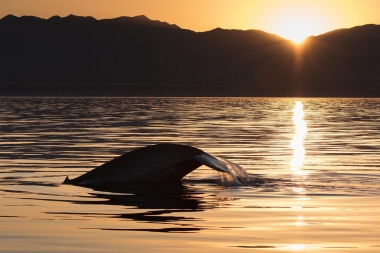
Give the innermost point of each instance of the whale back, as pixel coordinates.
(155, 163)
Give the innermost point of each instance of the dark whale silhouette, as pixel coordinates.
(155, 163)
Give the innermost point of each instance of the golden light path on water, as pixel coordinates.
(297, 141)
(296, 165)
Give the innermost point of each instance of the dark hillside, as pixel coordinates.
(130, 56)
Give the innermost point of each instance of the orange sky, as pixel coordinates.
(282, 17)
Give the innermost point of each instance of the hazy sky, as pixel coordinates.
(286, 18)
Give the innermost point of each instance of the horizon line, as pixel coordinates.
(144, 16)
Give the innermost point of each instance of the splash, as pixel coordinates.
(235, 174)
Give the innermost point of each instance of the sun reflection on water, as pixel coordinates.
(296, 165)
(300, 221)
(297, 142)
(296, 247)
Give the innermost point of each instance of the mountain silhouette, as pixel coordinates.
(136, 56)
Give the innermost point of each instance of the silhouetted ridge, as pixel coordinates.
(141, 17)
(137, 56)
(369, 30)
(9, 17)
(138, 21)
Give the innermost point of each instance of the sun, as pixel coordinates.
(296, 29)
(297, 22)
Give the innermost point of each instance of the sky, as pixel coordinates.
(291, 19)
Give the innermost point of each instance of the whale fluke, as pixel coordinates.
(155, 163)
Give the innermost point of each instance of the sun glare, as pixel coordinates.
(297, 22)
(296, 29)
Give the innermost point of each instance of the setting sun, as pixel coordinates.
(297, 22)
(296, 29)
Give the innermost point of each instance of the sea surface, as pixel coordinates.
(313, 165)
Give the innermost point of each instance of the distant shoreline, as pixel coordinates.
(145, 90)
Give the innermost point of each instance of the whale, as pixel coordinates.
(159, 163)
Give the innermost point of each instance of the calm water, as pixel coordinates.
(314, 175)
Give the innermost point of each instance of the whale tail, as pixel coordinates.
(218, 165)
(161, 163)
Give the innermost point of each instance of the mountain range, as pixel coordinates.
(136, 56)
